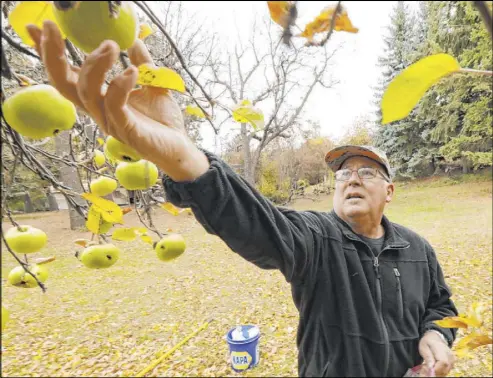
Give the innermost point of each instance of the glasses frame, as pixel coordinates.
(376, 171)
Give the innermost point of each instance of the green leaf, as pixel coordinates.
(109, 210)
(124, 234)
(407, 88)
(244, 112)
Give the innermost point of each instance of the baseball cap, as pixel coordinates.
(336, 157)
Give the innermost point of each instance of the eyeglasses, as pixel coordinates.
(364, 173)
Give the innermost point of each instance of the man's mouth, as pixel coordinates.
(354, 195)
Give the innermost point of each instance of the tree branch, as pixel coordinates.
(485, 15)
(18, 47)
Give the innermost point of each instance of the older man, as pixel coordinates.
(367, 290)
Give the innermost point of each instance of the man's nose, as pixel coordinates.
(354, 179)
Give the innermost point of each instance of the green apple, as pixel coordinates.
(88, 23)
(121, 151)
(111, 159)
(170, 247)
(100, 256)
(140, 175)
(98, 159)
(103, 186)
(27, 239)
(5, 317)
(39, 111)
(20, 278)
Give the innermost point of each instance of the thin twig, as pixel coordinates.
(477, 72)
(331, 29)
(149, 13)
(18, 47)
(23, 264)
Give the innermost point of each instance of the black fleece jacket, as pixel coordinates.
(360, 314)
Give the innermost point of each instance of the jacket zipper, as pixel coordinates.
(399, 293)
(380, 313)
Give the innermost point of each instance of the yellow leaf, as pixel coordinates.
(324, 19)
(195, 111)
(44, 260)
(100, 141)
(161, 77)
(81, 242)
(124, 234)
(31, 12)
(170, 208)
(244, 112)
(147, 239)
(279, 11)
(407, 88)
(452, 322)
(140, 230)
(93, 220)
(109, 210)
(145, 31)
(472, 341)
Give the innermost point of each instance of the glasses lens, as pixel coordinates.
(367, 173)
(343, 175)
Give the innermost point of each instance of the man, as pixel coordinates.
(367, 290)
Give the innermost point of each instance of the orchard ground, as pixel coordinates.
(115, 322)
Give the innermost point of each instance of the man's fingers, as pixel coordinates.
(115, 100)
(138, 54)
(444, 359)
(57, 67)
(35, 34)
(92, 77)
(428, 359)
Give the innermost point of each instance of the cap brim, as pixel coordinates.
(334, 158)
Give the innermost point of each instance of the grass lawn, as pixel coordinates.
(115, 322)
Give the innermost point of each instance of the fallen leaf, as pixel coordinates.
(244, 112)
(279, 11)
(470, 342)
(31, 12)
(324, 19)
(126, 210)
(160, 77)
(451, 322)
(407, 88)
(170, 208)
(81, 242)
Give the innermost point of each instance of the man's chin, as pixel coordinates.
(352, 211)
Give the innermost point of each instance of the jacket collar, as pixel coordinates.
(392, 239)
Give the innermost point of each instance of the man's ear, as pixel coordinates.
(390, 192)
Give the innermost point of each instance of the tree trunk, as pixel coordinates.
(247, 165)
(70, 177)
(28, 204)
(52, 203)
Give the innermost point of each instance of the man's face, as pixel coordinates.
(356, 197)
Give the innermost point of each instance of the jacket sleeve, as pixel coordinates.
(439, 305)
(229, 207)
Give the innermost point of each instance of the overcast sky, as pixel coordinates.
(355, 65)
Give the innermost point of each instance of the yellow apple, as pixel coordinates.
(111, 159)
(140, 175)
(170, 247)
(98, 158)
(20, 278)
(5, 317)
(121, 151)
(103, 186)
(39, 111)
(88, 23)
(27, 239)
(100, 256)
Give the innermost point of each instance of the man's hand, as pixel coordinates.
(436, 355)
(147, 119)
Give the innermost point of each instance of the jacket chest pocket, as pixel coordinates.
(405, 293)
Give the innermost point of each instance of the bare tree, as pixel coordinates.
(276, 78)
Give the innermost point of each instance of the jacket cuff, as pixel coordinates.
(446, 332)
(185, 193)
